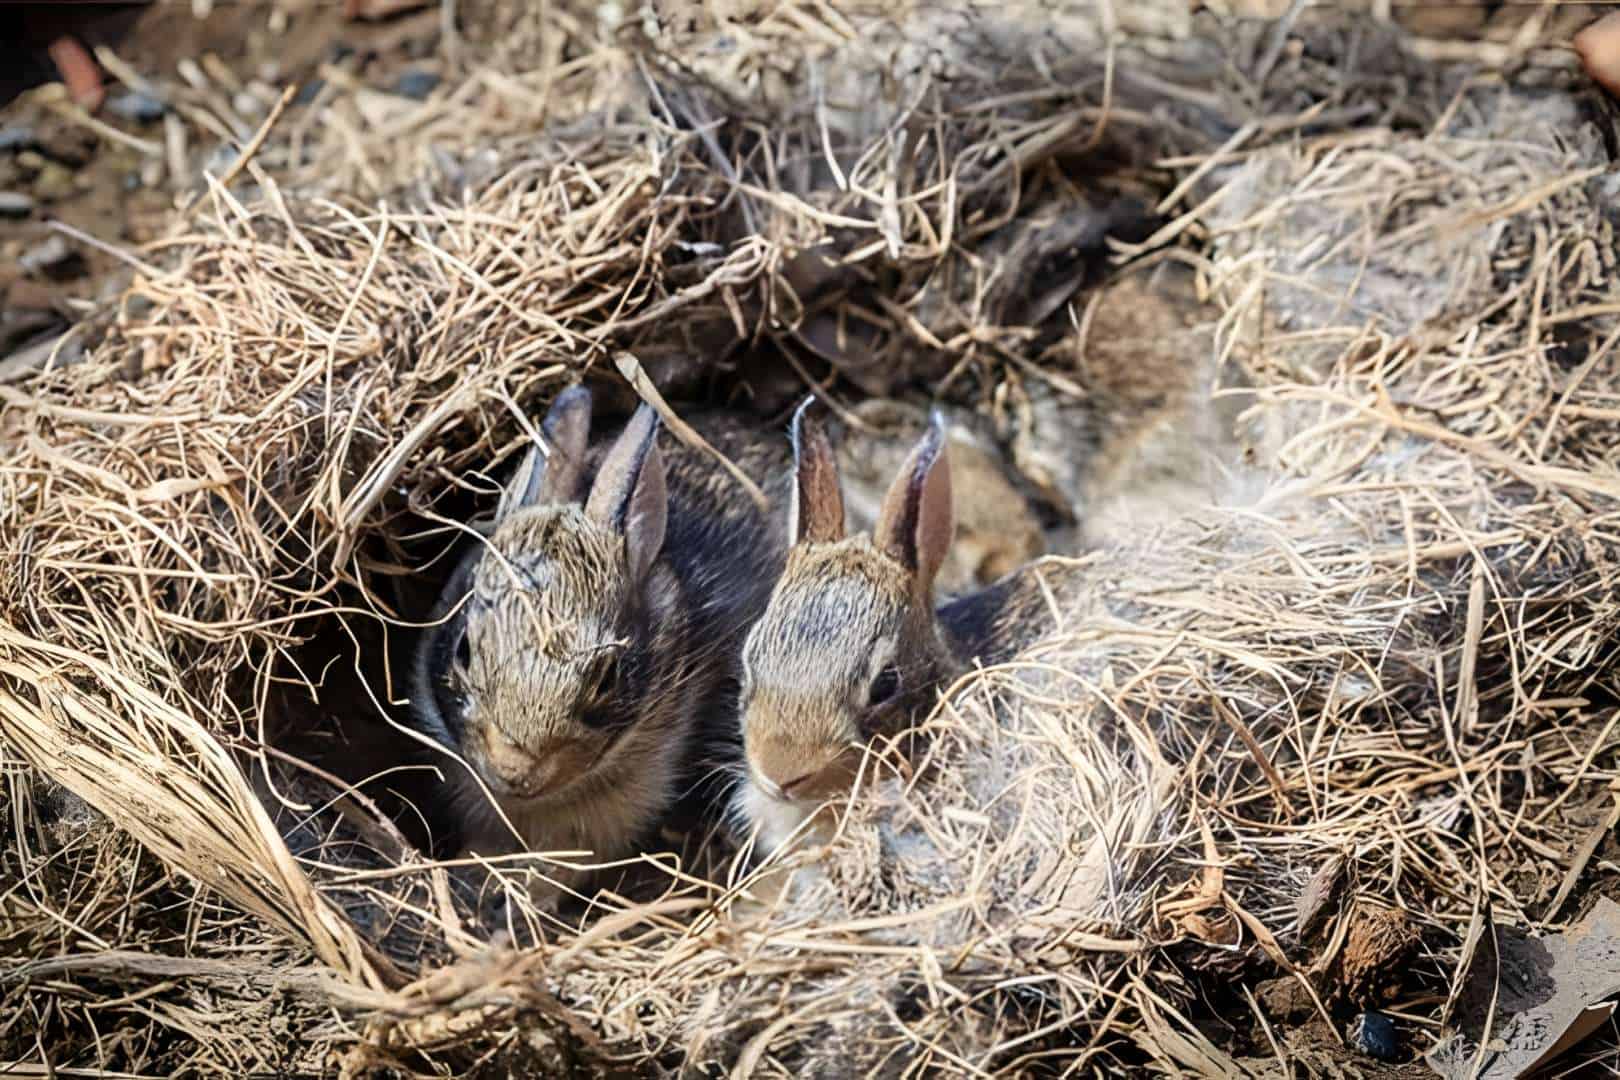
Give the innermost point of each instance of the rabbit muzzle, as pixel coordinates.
(531, 772)
(791, 773)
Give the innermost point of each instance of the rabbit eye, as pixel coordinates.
(463, 650)
(607, 674)
(885, 686)
(601, 710)
(601, 686)
(599, 718)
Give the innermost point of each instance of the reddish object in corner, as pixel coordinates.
(79, 71)
(1598, 46)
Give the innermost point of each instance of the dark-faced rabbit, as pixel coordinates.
(589, 644)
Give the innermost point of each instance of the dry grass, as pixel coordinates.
(1316, 730)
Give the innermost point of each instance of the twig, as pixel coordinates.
(630, 368)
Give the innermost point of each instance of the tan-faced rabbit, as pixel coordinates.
(577, 650)
(851, 645)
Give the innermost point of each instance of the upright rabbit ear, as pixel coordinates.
(629, 495)
(557, 477)
(917, 521)
(816, 514)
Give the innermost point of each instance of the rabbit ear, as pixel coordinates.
(917, 521)
(557, 477)
(629, 495)
(816, 514)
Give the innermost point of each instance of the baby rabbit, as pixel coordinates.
(850, 644)
(576, 651)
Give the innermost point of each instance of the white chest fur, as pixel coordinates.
(773, 821)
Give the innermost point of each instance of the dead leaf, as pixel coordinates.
(1318, 891)
(1549, 994)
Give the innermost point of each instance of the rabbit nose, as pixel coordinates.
(800, 785)
(508, 759)
(826, 779)
(794, 771)
(529, 770)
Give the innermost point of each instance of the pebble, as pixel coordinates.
(416, 84)
(15, 204)
(52, 252)
(220, 159)
(137, 107)
(1374, 1034)
(15, 138)
(247, 106)
(1285, 999)
(53, 182)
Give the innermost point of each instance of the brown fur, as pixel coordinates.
(552, 595)
(848, 642)
(916, 523)
(997, 529)
(847, 610)
(594, 649)
(818, 504)
(811, 693)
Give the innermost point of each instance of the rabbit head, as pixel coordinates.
(554, 665)
(849, 643)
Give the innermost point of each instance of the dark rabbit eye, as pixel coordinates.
(599, 718)
(607, 674)
(599, 709)
(602, 709)
(885, 686)
(463, 650)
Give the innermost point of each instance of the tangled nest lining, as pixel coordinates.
(1312, 732)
